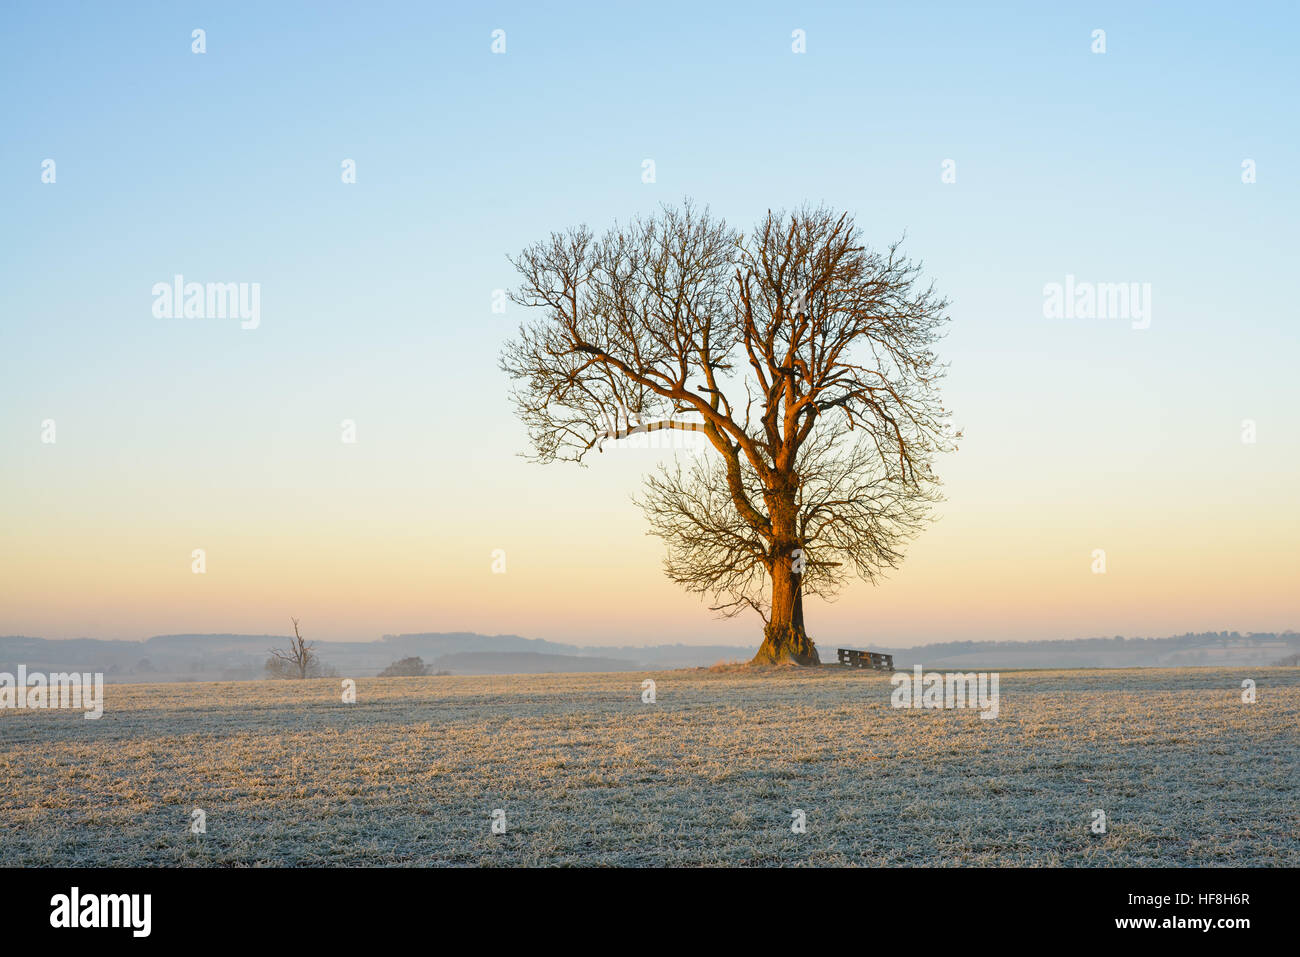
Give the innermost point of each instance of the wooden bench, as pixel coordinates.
(866, 659)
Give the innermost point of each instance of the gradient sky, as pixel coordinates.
(376, 305)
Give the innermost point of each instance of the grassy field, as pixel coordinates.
(1186, 773)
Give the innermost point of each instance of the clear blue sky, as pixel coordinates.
(376, 300)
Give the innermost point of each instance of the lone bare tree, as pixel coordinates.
(299, 655)
(805, 358)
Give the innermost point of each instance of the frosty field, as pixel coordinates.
(710, 774)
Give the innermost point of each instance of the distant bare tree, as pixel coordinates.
(299, 657)
(805, 358)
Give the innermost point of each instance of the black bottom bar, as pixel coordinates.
(947, 906)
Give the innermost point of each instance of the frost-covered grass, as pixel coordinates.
(587, 774)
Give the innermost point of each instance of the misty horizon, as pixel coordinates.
(842, 642)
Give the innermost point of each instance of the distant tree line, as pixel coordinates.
(412, 667)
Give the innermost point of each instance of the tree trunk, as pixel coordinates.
(784, 638)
